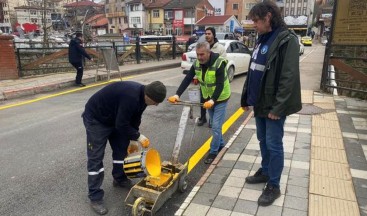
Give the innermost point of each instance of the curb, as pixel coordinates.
(211, 168)
(27, 91)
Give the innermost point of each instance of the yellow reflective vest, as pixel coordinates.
(208, 85)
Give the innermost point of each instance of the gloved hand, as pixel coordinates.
(144, 141)
(174, 99)
(209, 104)
(195, 81)
(133, 147)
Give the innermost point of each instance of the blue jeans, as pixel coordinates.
(216, 115)
(270, 134)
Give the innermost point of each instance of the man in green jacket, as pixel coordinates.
(273, 89)
(210, 70)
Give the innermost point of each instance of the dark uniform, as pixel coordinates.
(114, 114)
(76, 54)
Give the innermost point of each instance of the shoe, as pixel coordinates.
(210, 158)
(124, 184)
(269, 195)
(80, 84)
(257, 178)
(201, 121)
(98, 207)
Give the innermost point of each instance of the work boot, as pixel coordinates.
(269, 195)
(201, 121)
(257, 178)
(210, 158)
(98, 207)
(124, 184)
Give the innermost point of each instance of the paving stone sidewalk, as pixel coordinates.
(325, 169)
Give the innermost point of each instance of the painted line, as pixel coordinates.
(77, 89)
(199, 154)
(61, 93)
(304, 57)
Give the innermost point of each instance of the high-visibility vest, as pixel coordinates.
(208, 85)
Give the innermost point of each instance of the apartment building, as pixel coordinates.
(116, 13)
(155, 15)
(5, 25)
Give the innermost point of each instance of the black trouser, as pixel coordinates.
(97, 136)
(202, 109)
(79, 71)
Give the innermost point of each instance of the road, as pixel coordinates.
(43, 157)
(43, 150)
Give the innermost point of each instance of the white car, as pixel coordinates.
(238, 56)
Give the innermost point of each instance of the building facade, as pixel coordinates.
(115, 11)
(5, 25)
(137, 17)
(181, 15)
(155, 15)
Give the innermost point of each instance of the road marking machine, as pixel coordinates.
(160, 180)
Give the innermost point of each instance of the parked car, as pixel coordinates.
(238, 56)
(307, 41)
(219, 36)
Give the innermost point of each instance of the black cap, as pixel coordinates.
(212, 30)
(156, 91)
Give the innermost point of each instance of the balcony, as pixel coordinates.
(115, 14)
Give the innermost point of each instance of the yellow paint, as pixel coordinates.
(159, 181)
(196, 157)
(153, 163)
(61, 93)
(129, 165)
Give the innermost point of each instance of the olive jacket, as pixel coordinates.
(280, 90)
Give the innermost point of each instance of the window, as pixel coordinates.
(33, 12)
(305, 11)
(107, 1)
(189, 14)
(135, 20)
(304, 0)
(119, 20)
(298, 11)
(125, 19)
(292, 12)
(168, 15)
(235, 6)
(134, 7)
(110, 20)
(286, 11)
(156, 13)
(178, 15)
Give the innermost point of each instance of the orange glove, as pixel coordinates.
(144, 142)
(195, 81)
(209, 104)
(174, 99)
(133, 147)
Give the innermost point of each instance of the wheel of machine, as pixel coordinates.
(139, 207)
(230, 73)
(182, 184)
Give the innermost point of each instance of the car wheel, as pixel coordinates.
(230, 73)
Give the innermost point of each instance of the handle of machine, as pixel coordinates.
(187, 103)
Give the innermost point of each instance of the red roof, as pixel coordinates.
(98, 20)
(83, 4)
(155, 3)
(213, 20)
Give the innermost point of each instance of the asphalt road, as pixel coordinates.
(43, 151)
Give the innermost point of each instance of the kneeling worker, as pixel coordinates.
(114, 114)
(210, 70)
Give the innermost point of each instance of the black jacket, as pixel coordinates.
(120, 105)
(77, 51)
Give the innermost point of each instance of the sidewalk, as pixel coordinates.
(325, 171)
(10, 89)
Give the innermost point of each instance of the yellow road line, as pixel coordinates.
(196, 157)
(61, 93)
